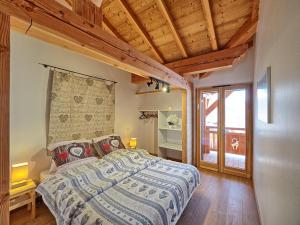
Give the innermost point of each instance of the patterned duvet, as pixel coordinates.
(124, 187)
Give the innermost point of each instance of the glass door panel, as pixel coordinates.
(235, 128)
(209, 109)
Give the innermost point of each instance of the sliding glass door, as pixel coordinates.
(224, 129)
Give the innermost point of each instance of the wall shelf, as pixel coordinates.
(173, 129)
(169, 138)
(172, 146)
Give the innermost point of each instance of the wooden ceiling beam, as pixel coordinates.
(135, 21)
(208, 62)
(166, 13)
(255, 10)
(88, 10)
(51, 18)
(98, 3)
(210, 24)
(206, 67)
(136, 79)
(212, 56)
(70, 2)
(244, 34)
(204, 75)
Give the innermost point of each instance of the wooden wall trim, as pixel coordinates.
(184, 126)
(59, 20)
(4, 117)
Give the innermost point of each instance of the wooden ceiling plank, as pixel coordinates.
(212, 56)
(168, 17)
(135, 21)
(60, 21)
(210, 24)
(111, 29)
(244, 34)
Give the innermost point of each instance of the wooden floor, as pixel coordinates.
(220, 199)
(231, 160)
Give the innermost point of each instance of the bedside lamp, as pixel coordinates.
(19, 174)
(132, 143)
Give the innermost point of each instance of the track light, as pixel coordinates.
(168, 88)
(157, 85)
(164, 87)
(150, 82)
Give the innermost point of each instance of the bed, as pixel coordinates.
(124, 187)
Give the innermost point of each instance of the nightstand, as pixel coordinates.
(24, 195)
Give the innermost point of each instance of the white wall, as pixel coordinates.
(240, 73)
(28, 97)
(277, 145)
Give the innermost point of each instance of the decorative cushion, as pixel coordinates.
(107, 144)
(70, 151)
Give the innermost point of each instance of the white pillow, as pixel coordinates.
(97, 139)
(53, 167)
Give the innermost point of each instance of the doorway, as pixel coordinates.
(224, 129)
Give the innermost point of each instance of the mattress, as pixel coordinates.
(124, 187)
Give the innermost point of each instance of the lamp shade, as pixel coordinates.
(19, 172)
(132, 143)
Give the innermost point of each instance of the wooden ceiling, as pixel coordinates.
(170, 30)
(177, 32)
(187, 37)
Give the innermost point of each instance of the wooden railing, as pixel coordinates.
(235, 140)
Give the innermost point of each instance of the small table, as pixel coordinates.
(24, 195)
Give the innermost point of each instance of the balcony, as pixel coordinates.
(235, 146)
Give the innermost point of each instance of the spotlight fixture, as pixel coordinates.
(164, 87)
(157, 85)
(150, 82)
(168, 88)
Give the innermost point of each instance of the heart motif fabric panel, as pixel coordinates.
(80, 108)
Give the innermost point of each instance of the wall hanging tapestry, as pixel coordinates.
(80, 108)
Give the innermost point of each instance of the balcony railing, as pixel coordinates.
(235, 140)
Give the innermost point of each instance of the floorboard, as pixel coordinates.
(219, 200)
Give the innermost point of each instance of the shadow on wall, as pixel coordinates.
(39, 162)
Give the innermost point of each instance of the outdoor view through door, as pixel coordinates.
(235, 128)
(223, 129)
(210, 120)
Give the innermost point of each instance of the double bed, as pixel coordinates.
(123, 187)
